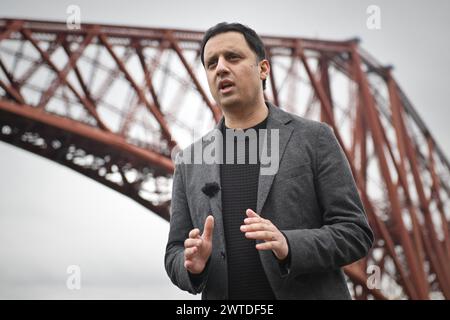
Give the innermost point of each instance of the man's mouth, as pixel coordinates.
(225, 86)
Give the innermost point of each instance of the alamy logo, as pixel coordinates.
(74, 19)
(374, 280)
(209, 149)
(73, 281)
(374, 20)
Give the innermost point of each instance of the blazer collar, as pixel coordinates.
(275, 115)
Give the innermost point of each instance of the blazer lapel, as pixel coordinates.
(276, 120)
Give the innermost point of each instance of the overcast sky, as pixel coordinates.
(52, 217)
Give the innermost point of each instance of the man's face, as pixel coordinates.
(233, 71)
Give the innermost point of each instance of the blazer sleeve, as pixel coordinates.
(345, 235)
(180, 226)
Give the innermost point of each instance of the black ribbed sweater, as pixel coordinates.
(239, 184)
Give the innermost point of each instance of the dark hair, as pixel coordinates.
(251, 37)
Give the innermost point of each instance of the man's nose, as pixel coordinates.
(222, 66)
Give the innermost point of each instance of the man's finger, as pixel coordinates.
(189, 252)
(189, 242)
(252, 220)
(194, 233)
(188, 264)
(251, 214)
(209, 228)
(268, 245)
(255, 227)
(261, 235)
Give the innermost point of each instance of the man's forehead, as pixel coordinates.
(230, 40)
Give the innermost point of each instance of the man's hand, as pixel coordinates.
(258, 228)
(197, 249)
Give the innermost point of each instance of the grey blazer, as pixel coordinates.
(312, 199)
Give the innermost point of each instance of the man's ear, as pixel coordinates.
(264, 69)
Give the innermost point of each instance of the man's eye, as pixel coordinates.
(211, 64)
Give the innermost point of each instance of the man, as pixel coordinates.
(236, 233)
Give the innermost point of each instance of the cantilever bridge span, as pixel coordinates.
(112, 103)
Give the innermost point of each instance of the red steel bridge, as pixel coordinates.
(114, 102)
